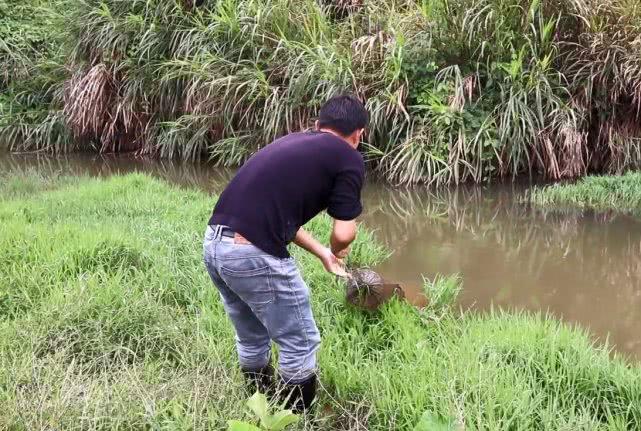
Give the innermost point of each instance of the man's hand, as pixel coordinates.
(333, 264)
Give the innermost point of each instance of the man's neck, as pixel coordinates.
(338, 135)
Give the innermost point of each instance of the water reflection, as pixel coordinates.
(581, 266)
(187, 174)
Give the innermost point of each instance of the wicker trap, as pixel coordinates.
(366, 289)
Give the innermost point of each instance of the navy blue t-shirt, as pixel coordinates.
(286, 184)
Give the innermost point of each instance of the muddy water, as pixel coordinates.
(582, 267)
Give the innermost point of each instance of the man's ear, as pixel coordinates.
(355, 137)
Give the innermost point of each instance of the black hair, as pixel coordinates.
(343, 114)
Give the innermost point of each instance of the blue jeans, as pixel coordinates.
(266, 299)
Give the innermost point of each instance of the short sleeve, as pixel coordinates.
(345, 199)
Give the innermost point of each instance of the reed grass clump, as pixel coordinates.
(32, 74)
(620, 193)
(108, 320)
(463, 90)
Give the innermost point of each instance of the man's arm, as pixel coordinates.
(343, 234)
(331, 263)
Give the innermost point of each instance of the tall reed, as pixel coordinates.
(458, 90)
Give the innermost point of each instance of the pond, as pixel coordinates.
(582, 267)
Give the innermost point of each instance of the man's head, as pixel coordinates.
(345, 116)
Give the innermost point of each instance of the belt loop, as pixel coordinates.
(219, 231)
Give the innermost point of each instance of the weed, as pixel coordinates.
(259, 406)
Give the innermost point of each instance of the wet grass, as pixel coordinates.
(622, 193)
(109, 321)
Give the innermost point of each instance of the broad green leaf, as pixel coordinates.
(258, 404)
(432, 422)
(280, 420)
(241, 426)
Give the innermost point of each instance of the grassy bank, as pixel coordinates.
(459, 90)
(109, 321)
(621, 193)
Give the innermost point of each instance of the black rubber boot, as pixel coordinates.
(261, 380)
(298, 397)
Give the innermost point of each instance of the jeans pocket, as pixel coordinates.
(252, 285)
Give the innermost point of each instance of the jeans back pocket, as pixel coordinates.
(250, 280)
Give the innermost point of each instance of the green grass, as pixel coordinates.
(621, 193)
(108, 320)
(23, 183)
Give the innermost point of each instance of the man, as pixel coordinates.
(261, 211)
